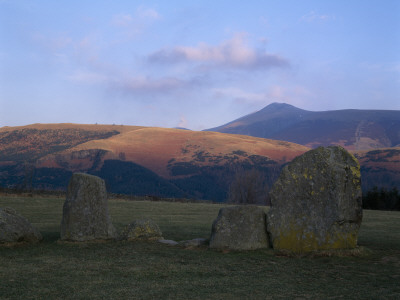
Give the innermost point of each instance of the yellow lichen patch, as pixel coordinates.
(294, 176)
(297, 240)
(342, 240)
(355, 171)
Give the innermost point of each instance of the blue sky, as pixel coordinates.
(194, 64)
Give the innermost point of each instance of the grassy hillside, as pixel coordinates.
(143, 270)
(161, 161)
(136, 160)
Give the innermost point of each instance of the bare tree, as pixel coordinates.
(248, 187)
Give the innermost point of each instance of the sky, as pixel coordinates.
(193, 64)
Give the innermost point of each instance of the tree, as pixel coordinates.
(382, 199)
(248, 187)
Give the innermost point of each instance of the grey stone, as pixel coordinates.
(85, 211)
(239, 228)
(144, 229)
(16, 229)
(168, 242)
(194, 242)
(316, 202)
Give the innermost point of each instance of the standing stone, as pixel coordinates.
(239, 228)
(316, 202)
(16, 229)
(144, 229)
(85, 211)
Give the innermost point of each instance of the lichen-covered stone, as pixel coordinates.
(16, 229)
(197, 242)
(316, 202)
(85, 211)
(144, 229)
(239, 228)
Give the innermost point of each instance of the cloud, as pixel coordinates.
(183, 123)
(147, 13)
(129, 84)
(313, 16)
(233, 53)
(150, 85)
(142, 14)
(88, 77)
(239, 95)
(122, 20)
(52, 43)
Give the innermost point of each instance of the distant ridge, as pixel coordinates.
(164, 162)
(351, 128)
(136, 160)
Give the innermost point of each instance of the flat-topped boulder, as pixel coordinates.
(239, 228)
(144, 229)
(85, 211)
(14, 228)
(316, 202)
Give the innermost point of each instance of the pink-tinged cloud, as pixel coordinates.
(235, 53)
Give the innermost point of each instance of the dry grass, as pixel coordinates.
(142, 270)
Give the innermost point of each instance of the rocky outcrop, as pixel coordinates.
(316, 202)
(85, 211)
(142, 230)
(239, 228)
(16, 229)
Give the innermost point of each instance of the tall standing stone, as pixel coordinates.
(85, 211)
(316, 202)
(239, 228)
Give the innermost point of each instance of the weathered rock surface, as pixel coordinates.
(316, 202)
(15, 229)
(168, 242)
(239, 228)
(144, 229)
(85, 211)
(197, 242)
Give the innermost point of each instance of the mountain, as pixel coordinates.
(351, 128)
(136, 160)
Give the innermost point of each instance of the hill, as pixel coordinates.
(136, 160)
(353, 129)
(158, 161)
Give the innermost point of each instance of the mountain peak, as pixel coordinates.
(276, 106)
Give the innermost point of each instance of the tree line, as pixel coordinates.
(250, 187)
(382, 199)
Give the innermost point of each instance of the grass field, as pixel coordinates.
(149, 270)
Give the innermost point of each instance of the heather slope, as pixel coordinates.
(136, 160)
(158, 161)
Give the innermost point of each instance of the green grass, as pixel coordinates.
(145, 270)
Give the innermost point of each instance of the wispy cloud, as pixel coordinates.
(118, 81)
(122, 20)
(147, 13)
(183, 123)
(130, 25)
(239, 95)
(141, 14)
(313, 16)
(88, 77)
(234, 53)
(151, 85)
